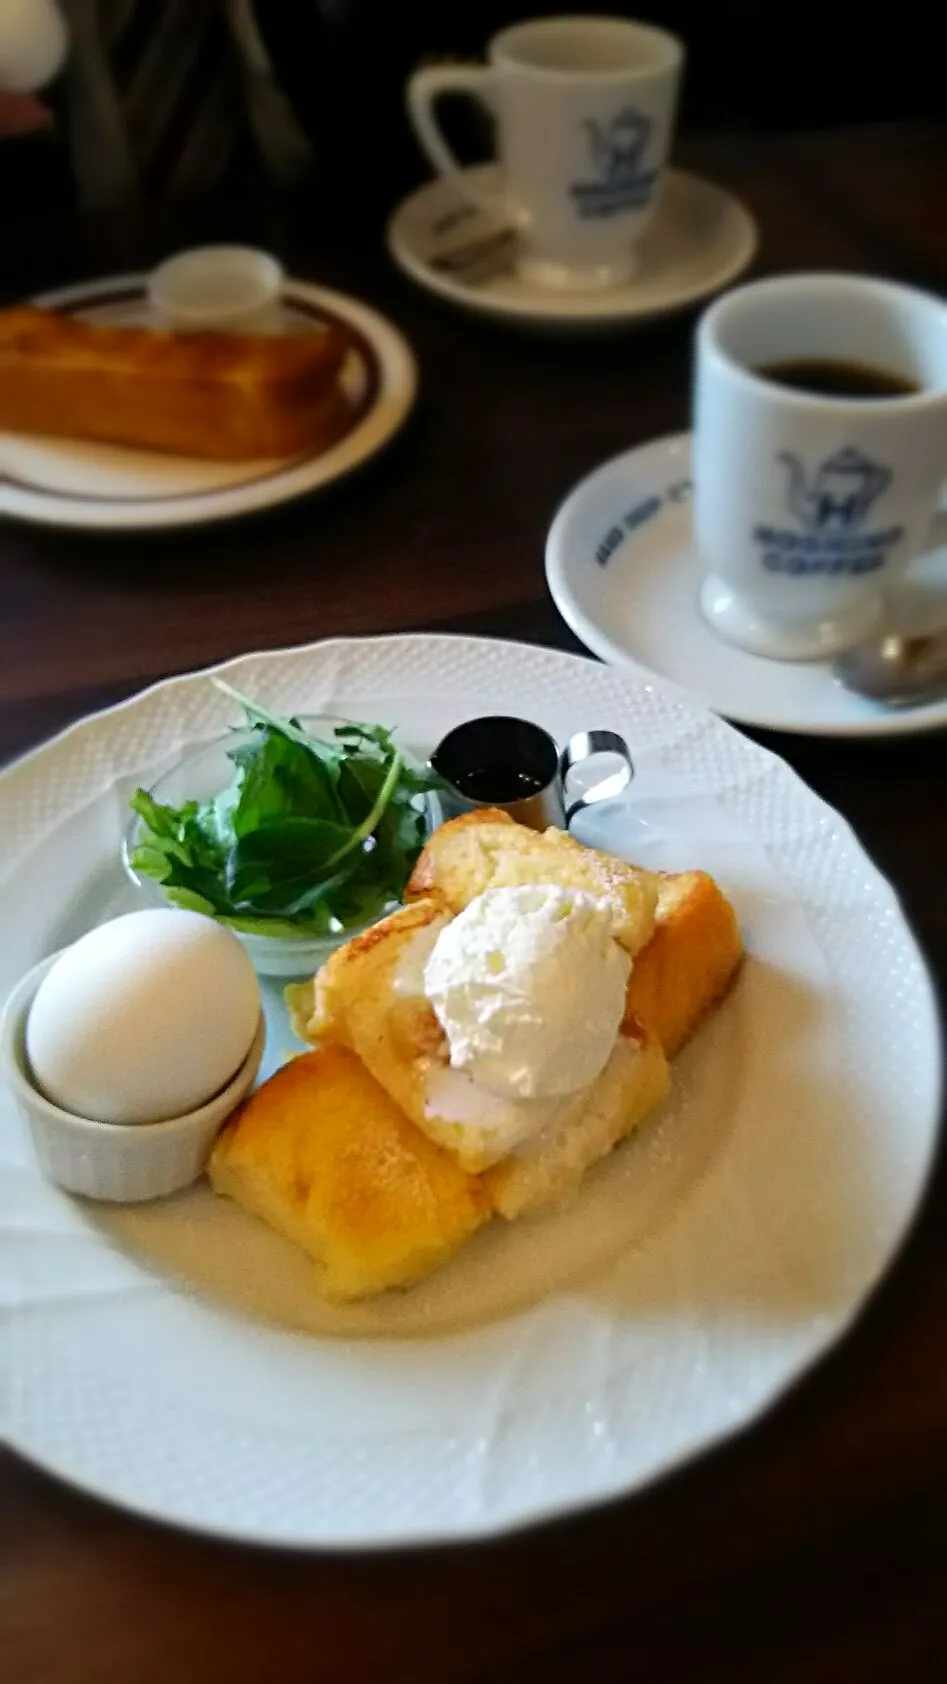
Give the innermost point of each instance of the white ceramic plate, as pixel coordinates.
(67, 482)
(176, 1358)
(624, 573)
(700, 240)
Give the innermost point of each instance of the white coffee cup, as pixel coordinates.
(585, 113)
(808, 508)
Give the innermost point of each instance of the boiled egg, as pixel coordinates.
(144, 1018)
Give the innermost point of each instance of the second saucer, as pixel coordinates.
(700, 241)
(624, 573)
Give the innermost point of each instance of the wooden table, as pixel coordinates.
(812, 1548)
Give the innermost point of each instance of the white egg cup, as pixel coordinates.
(121, 1163)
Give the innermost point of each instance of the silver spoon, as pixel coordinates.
(896, 669)
(478, 260)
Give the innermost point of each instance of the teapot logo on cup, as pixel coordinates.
(616, 149)
(841, 493)
(830, 504)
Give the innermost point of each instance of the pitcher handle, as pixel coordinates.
(582, 747)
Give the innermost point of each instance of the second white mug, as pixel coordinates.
(585, 109)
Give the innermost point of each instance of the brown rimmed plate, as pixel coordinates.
(77, 483)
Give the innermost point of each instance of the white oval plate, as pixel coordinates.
(699, 241)
(623, 572)
(177, 1359)
(71, 482)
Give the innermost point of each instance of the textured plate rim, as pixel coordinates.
(611, 1488)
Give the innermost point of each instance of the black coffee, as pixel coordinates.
(498, 783)
(826, 378)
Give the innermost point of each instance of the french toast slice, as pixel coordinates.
(689, 962)
(370, 997)
(691, 942)
(322, 1154)
(391, 952)
(341, 1157)
(544, 1170)
(486, 849)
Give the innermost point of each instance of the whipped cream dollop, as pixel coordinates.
(528, 985)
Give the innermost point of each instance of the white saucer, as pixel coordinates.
(700, 240)
(77, 483)
(623, 572)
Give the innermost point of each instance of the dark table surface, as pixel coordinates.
(813, 1547)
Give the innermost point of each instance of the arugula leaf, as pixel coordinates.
(189, 901)
(309, 838)
(360, 782)
(292, 852)
(281, 778)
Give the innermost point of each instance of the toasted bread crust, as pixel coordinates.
(485, 849)
(354, 970)
(227, 396)
(424, 880)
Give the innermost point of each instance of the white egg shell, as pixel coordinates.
(144, 1018)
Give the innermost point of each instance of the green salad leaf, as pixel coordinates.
(309, 838)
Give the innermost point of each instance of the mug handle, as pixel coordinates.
(424, 89)
(581, 747)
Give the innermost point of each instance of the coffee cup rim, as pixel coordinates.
(668, 49)
(837, 281)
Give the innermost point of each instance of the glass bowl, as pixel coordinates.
(202, 773)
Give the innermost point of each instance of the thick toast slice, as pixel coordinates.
(361, 1153)
(680, 927)
(634, 1081)
(689, 962)
(323, 1155)
(486, 849)
(369, 996)
(230, 396)
(388, 957)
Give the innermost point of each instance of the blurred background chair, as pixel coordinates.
(178, 97)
